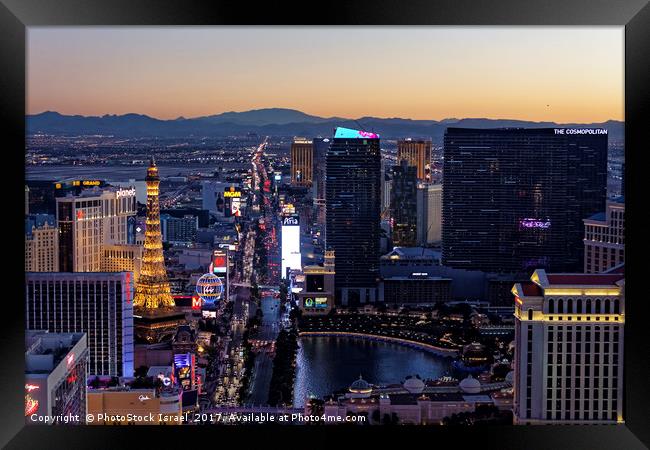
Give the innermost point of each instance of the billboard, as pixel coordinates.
(208, 314)
(184, 369)
(290, 243)
(131, 226)
(219, 267)
(235, 207)
(232, 202)
(315, 302)
(219, 262)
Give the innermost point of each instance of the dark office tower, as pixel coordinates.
(623, 179)
(418, 153)
(403, 205)
(320, 151)
(514, 199)
(352, 192)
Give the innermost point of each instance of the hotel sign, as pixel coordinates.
(580, 131)
(125, 193)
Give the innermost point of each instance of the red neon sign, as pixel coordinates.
(196, 302)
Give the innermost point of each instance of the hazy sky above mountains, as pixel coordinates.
(561, 74)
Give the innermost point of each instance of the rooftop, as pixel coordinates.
(347, 133)
(531, 289)
(45, 350)
(595, 279)
(412, 253)
(619, 269)
(601, 217)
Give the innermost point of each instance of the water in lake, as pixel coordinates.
(327, 364)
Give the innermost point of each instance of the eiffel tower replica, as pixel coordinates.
(152, 302)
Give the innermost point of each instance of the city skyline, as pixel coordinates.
(495, 72)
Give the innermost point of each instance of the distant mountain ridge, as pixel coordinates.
(274, 122)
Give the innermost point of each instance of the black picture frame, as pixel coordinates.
(16, 15)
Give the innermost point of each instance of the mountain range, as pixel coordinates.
(274, 122)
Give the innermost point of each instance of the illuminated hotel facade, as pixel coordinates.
(569, 334)
(98, 304)
(302, 161)
(90, 220)
(514, 199)
(122, 258)
(42, 249)
(605, 238)
(417, 153)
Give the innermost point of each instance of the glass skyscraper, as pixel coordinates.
(353, 198)
(404, 205)
(514, 199)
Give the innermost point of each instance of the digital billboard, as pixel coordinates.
(232, 202)
(315, 302)
(290, 243)
(184, 369)
(208, 314)
(219, 262)
(219, 267)
(235, 207)
(131, 226)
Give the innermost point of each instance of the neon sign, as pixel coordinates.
(534, 223)
(580, 131)
(31, 405)
(31, 387)
(196, 302)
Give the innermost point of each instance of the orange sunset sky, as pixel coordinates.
(561, 74)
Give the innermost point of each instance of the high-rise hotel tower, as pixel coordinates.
(513, 200)
(353, 198)
(302, 161)
(569, 348)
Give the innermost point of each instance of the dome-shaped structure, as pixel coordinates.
(209, 287)
(510, 377)
(470, 385)
(414, 385)
(360, 388)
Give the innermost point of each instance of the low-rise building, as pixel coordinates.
(124, 405)
(413, 402)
